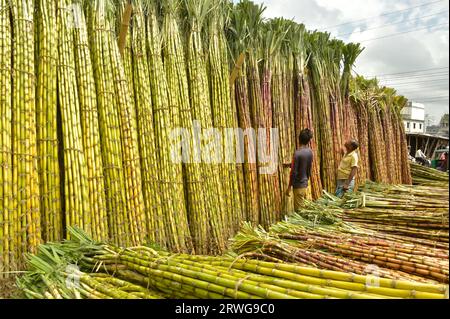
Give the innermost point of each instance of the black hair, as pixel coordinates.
(354, 144)
(305, 136)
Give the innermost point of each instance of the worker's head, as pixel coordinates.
(351, 145)
(305, 136)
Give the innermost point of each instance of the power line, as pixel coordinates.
(438, 98)
(382, 15)
(430, 97)
(415, 90)
(400, 33)
(412, 83)
(415, 81)
(409, 72)
(415, 78)
(423, 75)
(389, 24)
(430, 102)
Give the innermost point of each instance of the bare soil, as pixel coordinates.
(8, 289)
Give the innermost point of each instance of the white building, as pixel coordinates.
(414, 117)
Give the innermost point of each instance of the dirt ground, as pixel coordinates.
(8, 289)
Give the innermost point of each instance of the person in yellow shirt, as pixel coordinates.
(347, 168)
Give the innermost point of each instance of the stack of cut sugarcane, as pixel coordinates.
(50, 277)
(141, 272)
(413, 211)
(426, 176)
(351, 248)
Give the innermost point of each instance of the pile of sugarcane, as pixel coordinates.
(426, 176)
(47, 278)
(413, 211)
(316, 236)
(108, 271)
(107, 135)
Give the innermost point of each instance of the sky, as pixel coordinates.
(406, 41)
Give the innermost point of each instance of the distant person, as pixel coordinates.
(301, 169)
(347, 168)
(421, 158)
(444, 162)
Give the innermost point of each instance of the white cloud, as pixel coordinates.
(423, 49)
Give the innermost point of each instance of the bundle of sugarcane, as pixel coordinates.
(130, 146)
(397, 201)
(280, 115)
(283, 108)
(76, 205)
(377, 144)
(416, 260)
(272, 35)
(49, 276)
(109, 125)
(220, 277)
(177, 234)
(326, 212)
(90, 126)
(385, 121)
(303, 104)
(426, 176)
(224, 116)
(154, 196)
(330, 248)
(402, 147)
(320, 77)
(181, 112)
(332, 57)
(207, 148)
(46, 119)
(434, 193)
(240, 37)
(350, 121)
(25, 209)
(7, 221)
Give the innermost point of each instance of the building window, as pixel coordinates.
(407, 125)
(414, 125)
(420, 126)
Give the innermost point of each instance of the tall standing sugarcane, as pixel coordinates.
(303, 103)
(333, 59)
(181, 113)
(110, 134)
(170, 173)
(46, 117)
(272, 36)
(90, 125)
(284, 114)
(151, 188)
(75, 180)
(320, 76)
(239, 41)
(26, 207)
(359, 99)
(224, 116)
(197, 11)
(7, 220)
(350, 124)
(135, 215)
(376, 141)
